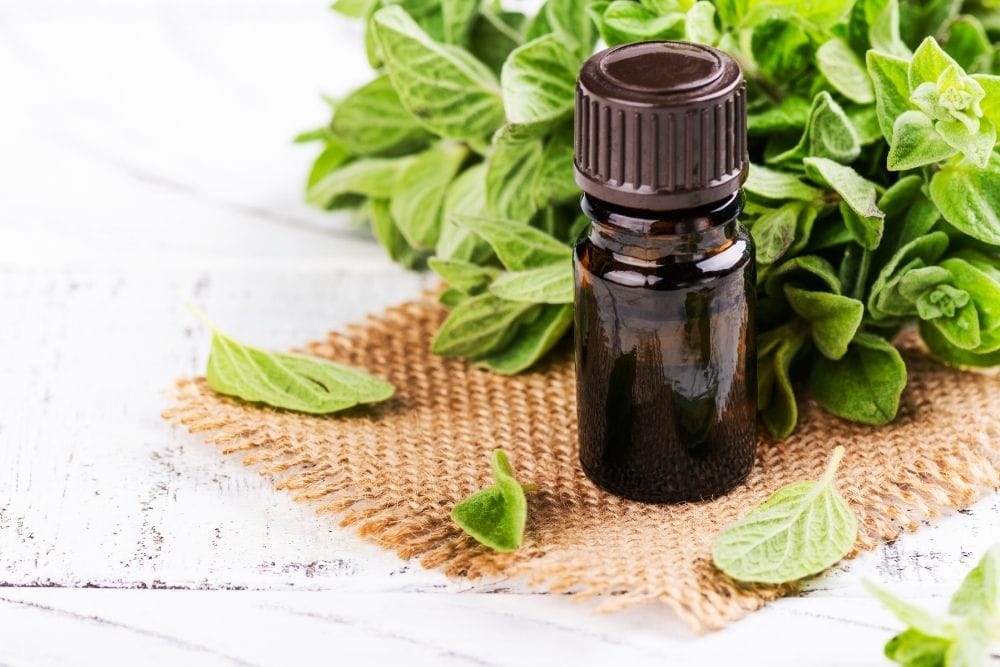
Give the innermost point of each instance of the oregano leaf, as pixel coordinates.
(552, 283)
(533, 341)
(537, 82)
(482, 324)
(495, 516)
(289, 381)
(445, 87)
(773, 184)
(372, 121)
(891, 87)
(969, 198)
(833, 318)
(518, 245)
(420, 191)
(915, 143)
(865, 384)
(859, 195)
(802, 529)
(845, 71)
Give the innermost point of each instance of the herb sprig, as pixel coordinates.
(874, 198)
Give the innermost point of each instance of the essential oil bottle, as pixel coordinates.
(665, 357)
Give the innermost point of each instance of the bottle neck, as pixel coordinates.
(685, 235)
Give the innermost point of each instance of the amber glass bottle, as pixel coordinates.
(666, 365)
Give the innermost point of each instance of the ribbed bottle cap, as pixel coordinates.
(660, 126)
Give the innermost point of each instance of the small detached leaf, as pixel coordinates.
(495, 516)
(959, 638)
(800, 530)
(290, 381)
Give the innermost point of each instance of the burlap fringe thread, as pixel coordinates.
(394, 471)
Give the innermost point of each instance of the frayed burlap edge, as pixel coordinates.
(393, 471)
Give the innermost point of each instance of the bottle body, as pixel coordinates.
(665, 350)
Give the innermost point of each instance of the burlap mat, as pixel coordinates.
(395, 471)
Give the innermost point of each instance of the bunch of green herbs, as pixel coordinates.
(873, 198)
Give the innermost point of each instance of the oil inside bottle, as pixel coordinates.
(666, 366)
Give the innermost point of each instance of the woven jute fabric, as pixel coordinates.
(393, 471)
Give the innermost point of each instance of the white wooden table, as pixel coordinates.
(145, 163)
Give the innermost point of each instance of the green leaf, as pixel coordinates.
(478, 326)
(991, 101)
(968, 43)
(961, 329)
(420, 191)
(494, 35)
(984, 290)
(372, 121)
(810, 271)
(800, 530)
(944, 350)
(458, 16)
(774, 232)
(961, 638)
(289, 381)
(466, 277)
(513, 168)
(892, 90)
(549, 284)
(555, 182)
(387, 232)
(912, 615)
(829, 134)
(833, 319)
(372, 177)
(533, 341)
(569, 18)
(518, 246)
(781, 49)
(864, 385)
(628, 21)
(925, 250)
(874, 24)
(699, 24)
(979, 593)
(977, 147)
(792, 113)
(355, 9)
(537, 82)
(865, 122)
(444, 87)
(969, 198)
(772, 184)
(466, 196)
(858, 194)
(845, 71)
(929, 62)
(776, 350)
(915, 143)
(916, 649)
(333, 157)
(495, 516)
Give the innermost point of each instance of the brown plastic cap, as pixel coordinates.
(660, 126)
